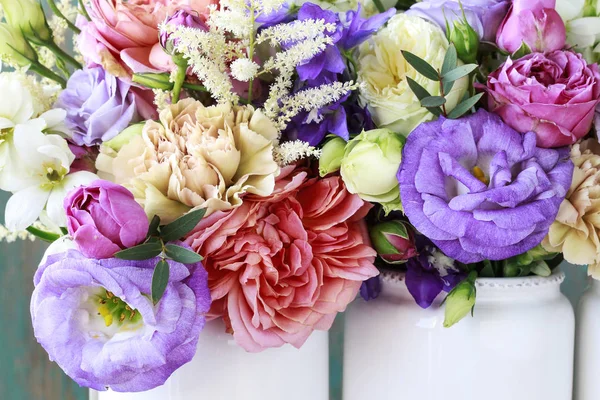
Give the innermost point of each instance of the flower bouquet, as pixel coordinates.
(259, 162)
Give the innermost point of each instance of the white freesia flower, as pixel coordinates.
(42, 180)
(582, 19)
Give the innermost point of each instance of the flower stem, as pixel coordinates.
(179, 80)
(45, 236)
(59, 14)
(83, 10)
(47, 73)
(62, 54)
(251, 51)
(379, 6)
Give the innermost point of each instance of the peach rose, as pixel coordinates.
(283, 266)
(122, 35)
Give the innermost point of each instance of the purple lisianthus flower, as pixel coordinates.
(480, 190)
(96, 320)
(430, 273)
(358, 29)
(104, 218)
(484, 16)
(99, 106)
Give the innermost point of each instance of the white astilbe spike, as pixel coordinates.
(290, 152)
(10, 237)
(294, 31)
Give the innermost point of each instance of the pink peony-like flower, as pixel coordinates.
(552, 94)
(282, 266)
(123, 35)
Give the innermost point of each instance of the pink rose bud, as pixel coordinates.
(534, 23)
(393, 241)
(104, 218)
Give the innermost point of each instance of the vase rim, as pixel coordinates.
(557, 277)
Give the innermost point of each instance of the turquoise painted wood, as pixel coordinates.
(25, 371)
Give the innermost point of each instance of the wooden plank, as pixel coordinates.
(25, 371)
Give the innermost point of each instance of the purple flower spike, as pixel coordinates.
(99, 106)
(96, 320)
(480, 190)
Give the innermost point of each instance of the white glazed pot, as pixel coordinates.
(221, 370)
(518, 346)
(587, 365)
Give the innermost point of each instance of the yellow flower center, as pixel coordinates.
(478, 173)
(111, 308)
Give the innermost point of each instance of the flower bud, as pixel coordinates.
(180, 18)
(28, 17)
(14, 49)
(125, 137)
(331, 156)
(460, 301)
(465, 39)
(393, 241)
(371, 288)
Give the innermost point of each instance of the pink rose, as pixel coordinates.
(122, 35)
(283, 266)
(534, 22)
(553, 95)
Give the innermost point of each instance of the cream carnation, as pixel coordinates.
(576, 230)
(383, 72)
(196, 157)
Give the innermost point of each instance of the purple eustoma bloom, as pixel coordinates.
(484, 16)
(430, 273)
(358, 29)
(480, 190)
(96, 320)
(99, 106)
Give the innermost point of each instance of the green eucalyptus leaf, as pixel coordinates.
(417, 89)
(450, 59)
(160, 280)
(448, 87)
(433, 101)
(182, 255)
(182, 226)
(459, 72)
(153, 227)
(421, 66)
(465, 106)
(144, 251)
(437, 111)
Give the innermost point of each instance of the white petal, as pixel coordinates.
(24, 207)
(569, 9)
(585, 26)
(6, 123)
(54, 117)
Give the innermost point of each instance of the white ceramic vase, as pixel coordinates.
(518, 346)
(587, 365)
(221, 370)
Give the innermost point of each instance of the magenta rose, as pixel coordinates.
(533, 22)
(553, 95)
(103, 218)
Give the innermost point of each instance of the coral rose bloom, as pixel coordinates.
(123, 35)
(283, 266)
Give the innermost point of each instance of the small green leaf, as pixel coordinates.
(459, 72)
(448, 87)
(437, 111)
(417, 89)
(433, 101)
(182, 226)
(449, 60)
(182, 255)
(154, 225)
(464, 106)
(144, 251)
(421, 66)
(160, 279)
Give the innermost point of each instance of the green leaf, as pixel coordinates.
(182, 226)
(154, 225)
(182, 255)
(464, 106)
(459, 72)
(417, 89)
(437, 111)
(421, 66)
(448, 87)
(449, 60)
(160, 279)
(433, 101)
(488, 270)
(144, 251)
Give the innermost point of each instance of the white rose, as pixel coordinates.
(383, 72)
